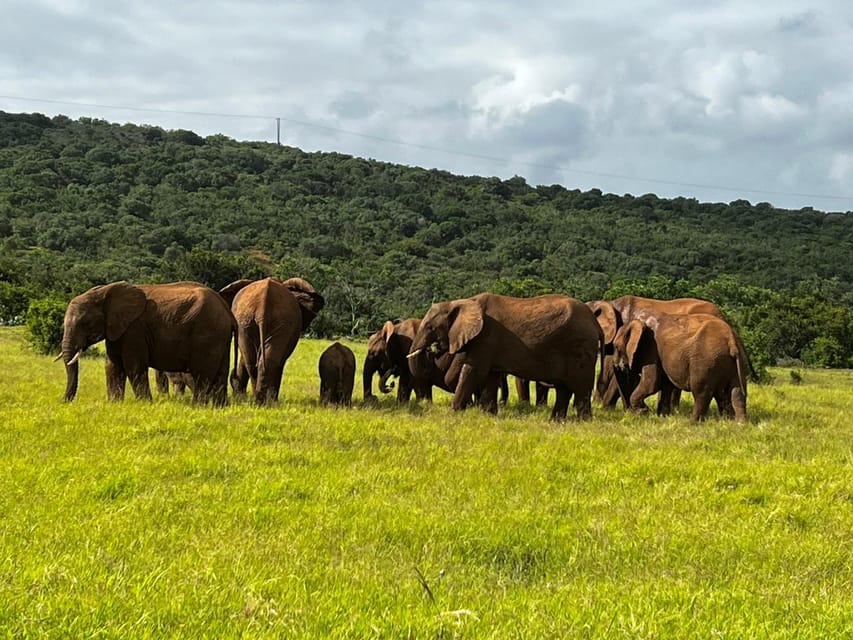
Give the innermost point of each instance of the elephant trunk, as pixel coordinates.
(371, 366)
(383, 382)
(70, 357)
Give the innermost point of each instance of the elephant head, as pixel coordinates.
(230, 290)
(378, 360)
(634, 346)
(608, 319)
(310, 301)
(450, 326)
(102, 312)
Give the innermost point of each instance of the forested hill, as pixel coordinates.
(85, 201)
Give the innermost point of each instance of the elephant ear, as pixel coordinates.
(466, 323)
(388, 331)
(310, 301)
(605, 313)
(230, 290)
(635, 330)
(123, 303)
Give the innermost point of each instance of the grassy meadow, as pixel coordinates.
(151, 520)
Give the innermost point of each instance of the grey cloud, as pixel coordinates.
(747, 94)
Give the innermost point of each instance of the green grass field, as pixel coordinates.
(151, 520)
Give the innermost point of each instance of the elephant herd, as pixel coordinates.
(467, 347)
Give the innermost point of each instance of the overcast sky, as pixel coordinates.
(747, 99)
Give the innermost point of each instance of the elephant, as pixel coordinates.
(613, 314)
(180, 381)
(696, 352)
(337, 375)
(271, 314)
(182, 327)
(386, 356)
(553, 338)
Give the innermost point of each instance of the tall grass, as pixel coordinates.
(149, 520)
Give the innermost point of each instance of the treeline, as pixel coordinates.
(84, 202)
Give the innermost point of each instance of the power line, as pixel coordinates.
(424, 147)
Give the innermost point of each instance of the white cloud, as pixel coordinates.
(754, 95)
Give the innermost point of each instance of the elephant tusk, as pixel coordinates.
(58, 358)
(414, 354)
(75, 358)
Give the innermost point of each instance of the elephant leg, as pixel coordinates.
(269, 383)
(404, 389)
(522, 388)
(116, 378)
(583, 405)
(162, 382)
(611, 395)
(739, 403)
(488, 399)
(466, 386)
(676, 398)
(541, 395)
(724, 403)
(561, 404)
(701, 402)
(648, 385)
(667, 390)
(504, 388)
(240, 377)
(141, 384)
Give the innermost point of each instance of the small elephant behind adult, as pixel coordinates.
(387, 352)
(271, 315)
(699, 353)
(337, 375)
(179, 382)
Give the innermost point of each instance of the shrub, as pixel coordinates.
(44, 325)
(13, 303)
(825, 351)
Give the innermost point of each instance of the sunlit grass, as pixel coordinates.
(158, 519)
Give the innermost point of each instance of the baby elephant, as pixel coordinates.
(337, 375)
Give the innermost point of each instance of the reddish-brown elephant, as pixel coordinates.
(553, 339)
(271, 315)
(337, 375)
(181, 327)
(697, 352)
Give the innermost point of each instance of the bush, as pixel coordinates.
(13, 303)
(825, 351)
(44, 325)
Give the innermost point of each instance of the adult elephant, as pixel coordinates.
(697, 352)
(181, 327)
(271, 314)
(554, 339)
(613, 314)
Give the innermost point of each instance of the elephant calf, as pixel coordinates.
(698, 352)
(337, 375)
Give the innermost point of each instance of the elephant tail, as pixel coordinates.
(236, 351)
(739, 354)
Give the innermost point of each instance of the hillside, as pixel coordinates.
(85, 201)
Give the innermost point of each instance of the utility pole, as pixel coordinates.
(278, 131)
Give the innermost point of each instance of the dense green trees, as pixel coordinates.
(84, 202)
